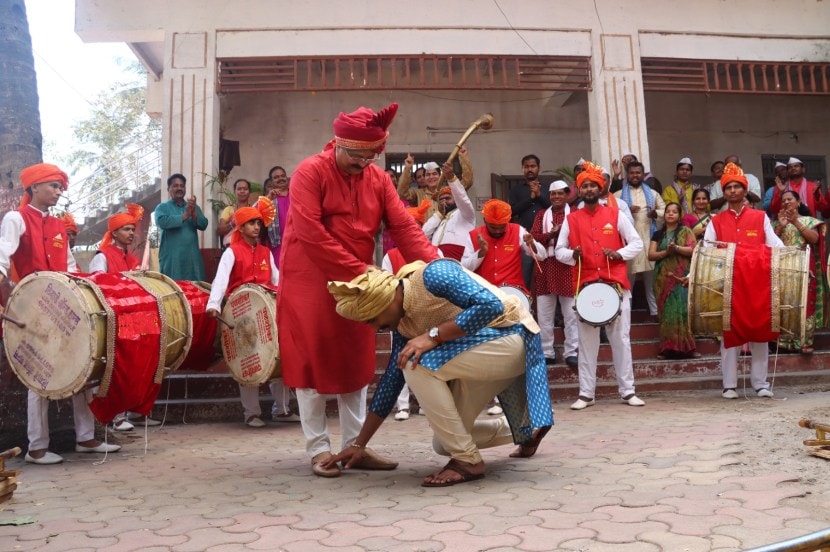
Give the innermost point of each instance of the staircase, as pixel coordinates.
(213, 395)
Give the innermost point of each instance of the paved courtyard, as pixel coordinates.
(688, 472)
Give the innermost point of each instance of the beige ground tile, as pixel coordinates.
(276, 537)
(766, 499)
(462, 541)
(349, 533)
(200, 539)
(583, 545)
(671, 541)
(628, 514)
(542, 539)
(622, 533)
(692, 525)
(423, 530)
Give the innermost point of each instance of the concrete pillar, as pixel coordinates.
(616, 103)
(190, 136)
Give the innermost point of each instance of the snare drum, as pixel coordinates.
(251, 348)
(518, 293)
(598, 303)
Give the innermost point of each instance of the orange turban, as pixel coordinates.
(69, 222)
(419, 213)
(134, 214)
(444, 191)
(496, 211)
(38, 174)
(733, 173)
(263, 210)
(592, 173)
(364, 129)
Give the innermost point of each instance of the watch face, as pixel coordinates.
(433, 333)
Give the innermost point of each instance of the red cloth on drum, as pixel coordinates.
(201, 353)
(43, 244)
(137, 347)
(330, 235)
(751, 296)
(396, 258)
(503, 262)
(118, 260)
(452, 251)
(252, 265)
(556, 278)
(594, 231)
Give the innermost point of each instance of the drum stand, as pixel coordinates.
(821, 444)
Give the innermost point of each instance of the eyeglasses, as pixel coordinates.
(358, 158)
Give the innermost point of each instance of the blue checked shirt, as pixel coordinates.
(526, 401)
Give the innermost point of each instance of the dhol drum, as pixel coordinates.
(251, 348)
(710, 290)
(73, 322)
(203, 345)
(518, 293)
(598, 303)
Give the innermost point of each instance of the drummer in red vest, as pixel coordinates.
(33, 240)
(741, 224)
(600, 238)
(246, 261)
(494, 250)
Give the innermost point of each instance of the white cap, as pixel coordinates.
(431, 166)
(628, 153)
(780, 164)
(685, 161)
(581, 161)
(794, 161)
(558, 185)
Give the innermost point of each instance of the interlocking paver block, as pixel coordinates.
(613, 532)
(542, 539)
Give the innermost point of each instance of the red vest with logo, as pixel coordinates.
(118, 260)
(746, 228)
(503, 262)
(252, 265)
(42, 246)
(595, 231)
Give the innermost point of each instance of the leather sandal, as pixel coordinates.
(528, 448)
(318, 469)
(457, 467)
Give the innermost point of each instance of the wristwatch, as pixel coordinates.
(435, 335)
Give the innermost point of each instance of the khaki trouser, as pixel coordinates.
(454, 395)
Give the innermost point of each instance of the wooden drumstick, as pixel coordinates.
(17, 323)
(225, 322)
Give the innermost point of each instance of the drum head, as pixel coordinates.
(251, 349)
(598, 303)
(56, 353)
(518, 293)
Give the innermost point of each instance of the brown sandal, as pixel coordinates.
(457, 467)
(528, 448)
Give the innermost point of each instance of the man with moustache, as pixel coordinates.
(681, 190)
(808, 191)
(339, 198)
(602, 239)
(180, 220)
(527, 199)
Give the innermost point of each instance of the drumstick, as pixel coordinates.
(145, 258)
(225, 322)
(17, 323)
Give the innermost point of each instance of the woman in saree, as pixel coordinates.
(699, 218)
(796, 228)
(671, 250)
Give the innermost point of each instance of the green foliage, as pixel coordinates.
(566, 174)
(220, 187)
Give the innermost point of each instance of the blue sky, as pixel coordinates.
(70, 74)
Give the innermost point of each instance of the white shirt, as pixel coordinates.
(11, 229)
(471, 261)
(634, 244)
(223, 276)
(98, 263)
(455, 228)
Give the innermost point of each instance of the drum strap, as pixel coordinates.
(579, 276)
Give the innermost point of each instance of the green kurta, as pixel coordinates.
(179, 255)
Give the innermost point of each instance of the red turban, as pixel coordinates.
(69, 222)
(733, 173)
(38, 174)
(592, 173)
(419, 213)
(263, 210)
(134, 214)
(364, 129)
(496, 211)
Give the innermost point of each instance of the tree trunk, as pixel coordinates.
(20, 146)
(21, 142)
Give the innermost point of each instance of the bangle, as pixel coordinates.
(355, 445)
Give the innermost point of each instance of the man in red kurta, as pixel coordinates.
(338, 200)
(31, 239)
(751, 230)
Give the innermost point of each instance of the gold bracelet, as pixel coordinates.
(355, 445)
